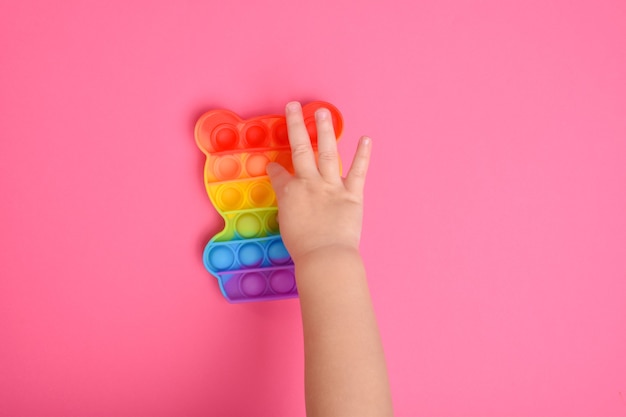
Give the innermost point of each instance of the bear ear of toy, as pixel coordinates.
(217, 130)
(308, 112)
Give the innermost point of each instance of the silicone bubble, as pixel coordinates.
(253, 284)
(225, 137)
(271, 222)
(261, 194)
(280, 133)
(227, 168)
(283, 281)
(310, 128)
(256, 135)
(248, 257)
(248, 225)
(256, 163)
(284, 159)
(277, 253)
(250, 254)
(229, 197)
(221, 257)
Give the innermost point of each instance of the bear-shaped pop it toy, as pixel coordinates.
(248, 257)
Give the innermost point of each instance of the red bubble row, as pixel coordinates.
(226, 137)
(224, 131)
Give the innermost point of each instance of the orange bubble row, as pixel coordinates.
(231, 167)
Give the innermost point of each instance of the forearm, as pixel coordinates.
(345, 372)
(320, 215)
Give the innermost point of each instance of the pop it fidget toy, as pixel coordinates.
(248, 257)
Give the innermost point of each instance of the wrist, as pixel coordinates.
(330, 274)
(326, 253)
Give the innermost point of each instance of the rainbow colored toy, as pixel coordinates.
(248, 257)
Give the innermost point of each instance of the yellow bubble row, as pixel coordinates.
(242, 195)
(249, 225)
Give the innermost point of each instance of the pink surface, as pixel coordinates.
(495, 230)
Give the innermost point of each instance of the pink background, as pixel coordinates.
(495, 230)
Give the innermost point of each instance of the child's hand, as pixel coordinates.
(317, 209)
(320, 217)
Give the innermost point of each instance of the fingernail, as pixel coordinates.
(293, 106)
(270, 168)
(366, 140)
(322, 114)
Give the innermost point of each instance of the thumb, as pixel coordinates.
(278, 176)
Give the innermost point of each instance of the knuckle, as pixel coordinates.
(358, 171)
(299, 150)
(327, 155)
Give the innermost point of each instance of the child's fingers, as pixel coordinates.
(328, 161)
(278, 177)
(355, 180)
(301, 150)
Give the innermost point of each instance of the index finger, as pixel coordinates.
(301, 150)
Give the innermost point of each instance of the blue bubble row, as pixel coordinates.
(246, 254)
